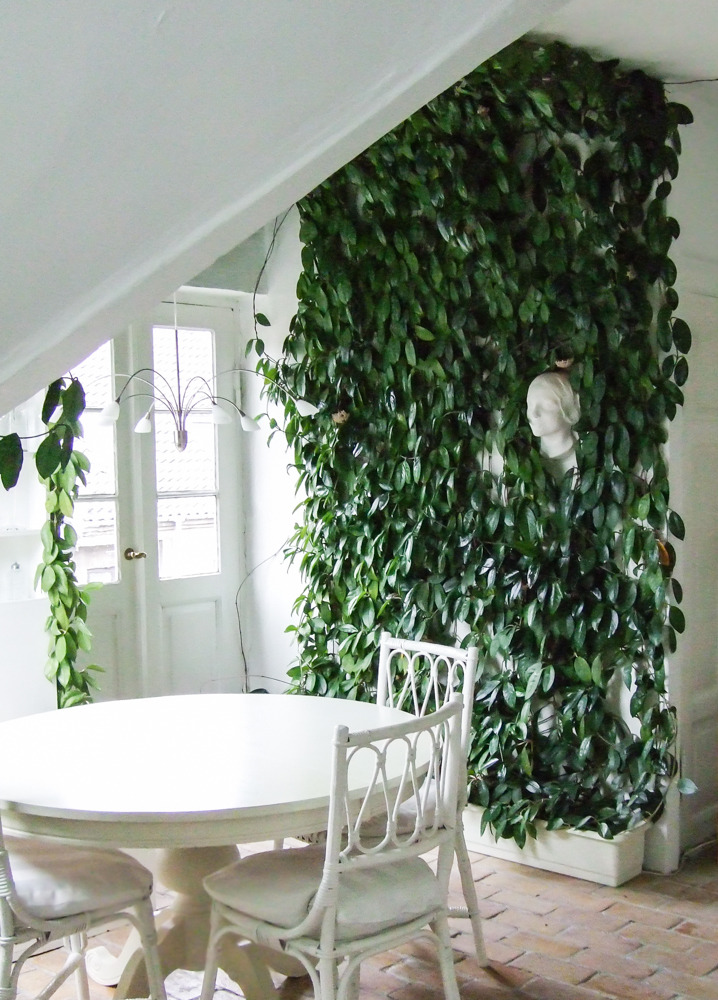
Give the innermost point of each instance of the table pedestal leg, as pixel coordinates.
(183, 930)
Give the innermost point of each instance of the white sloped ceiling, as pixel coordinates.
(142, 139)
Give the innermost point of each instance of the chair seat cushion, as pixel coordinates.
(53, 879)
(278, 887)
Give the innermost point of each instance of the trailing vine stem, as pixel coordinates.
(62, 468)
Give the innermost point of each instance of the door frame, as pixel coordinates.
(133, 621)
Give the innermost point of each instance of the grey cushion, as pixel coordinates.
(53, 879)
(279, 887)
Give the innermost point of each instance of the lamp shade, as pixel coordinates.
(144, 424)
(219, 415)
(247, 423)
(109, 412)
(305, 408)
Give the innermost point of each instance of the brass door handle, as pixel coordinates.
(131, 554)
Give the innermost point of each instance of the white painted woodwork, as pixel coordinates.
(189, 640)
(157, 636)
(694, 477)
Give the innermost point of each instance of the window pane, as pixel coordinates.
(95, 518)
(98, 443)
(192, 470)
(95, 522)
(94, 373)
(196, 365)
(187, 528)
(188, 536)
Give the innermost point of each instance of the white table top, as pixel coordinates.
(183, 770)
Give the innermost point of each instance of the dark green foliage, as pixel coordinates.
(516, 221)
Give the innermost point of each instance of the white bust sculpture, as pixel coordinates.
(553, 408)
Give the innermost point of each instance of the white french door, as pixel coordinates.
(164, 535)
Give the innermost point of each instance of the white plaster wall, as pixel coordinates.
(23, 650)
(269, 486)
(147, 138)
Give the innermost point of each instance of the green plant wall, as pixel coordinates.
(517, 220)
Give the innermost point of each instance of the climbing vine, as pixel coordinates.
(62, 468)
(517, 221)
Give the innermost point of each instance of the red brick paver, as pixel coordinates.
(548, 937)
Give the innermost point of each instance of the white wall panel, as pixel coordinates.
(189, 645)
(694, 486)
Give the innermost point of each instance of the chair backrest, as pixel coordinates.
(424, 751)
(420, 676)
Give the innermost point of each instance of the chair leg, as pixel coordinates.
(327, 978)
(77, 945)
(440, 928)
(468, 888)
(348, 981)
(8, 981)
(148, 935)
(211, 963)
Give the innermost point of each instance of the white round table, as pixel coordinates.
(192, 774)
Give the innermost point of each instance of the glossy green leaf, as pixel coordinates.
(10, 459)
(48, 456)
(583, 670)
(682, 336)
(675, 525)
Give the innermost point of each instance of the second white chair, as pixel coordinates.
(332, 906)
(416, 675)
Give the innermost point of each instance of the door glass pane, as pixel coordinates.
(95, 517)
(96, 552)
(98, 444)
(186, 476)
(188, 537)
(195, 347)
(192, 470)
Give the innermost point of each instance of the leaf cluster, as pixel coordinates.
(517, 221)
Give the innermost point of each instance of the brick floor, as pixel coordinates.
(548, 937)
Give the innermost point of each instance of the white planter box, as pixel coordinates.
(578, 853)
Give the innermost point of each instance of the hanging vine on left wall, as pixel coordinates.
(61, 468)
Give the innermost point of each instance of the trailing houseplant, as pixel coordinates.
(61, 468)
(517, 221)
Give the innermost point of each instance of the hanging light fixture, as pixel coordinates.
(181, 401)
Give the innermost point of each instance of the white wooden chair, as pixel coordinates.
(52, 891)
(331, 906)
(418, 676)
